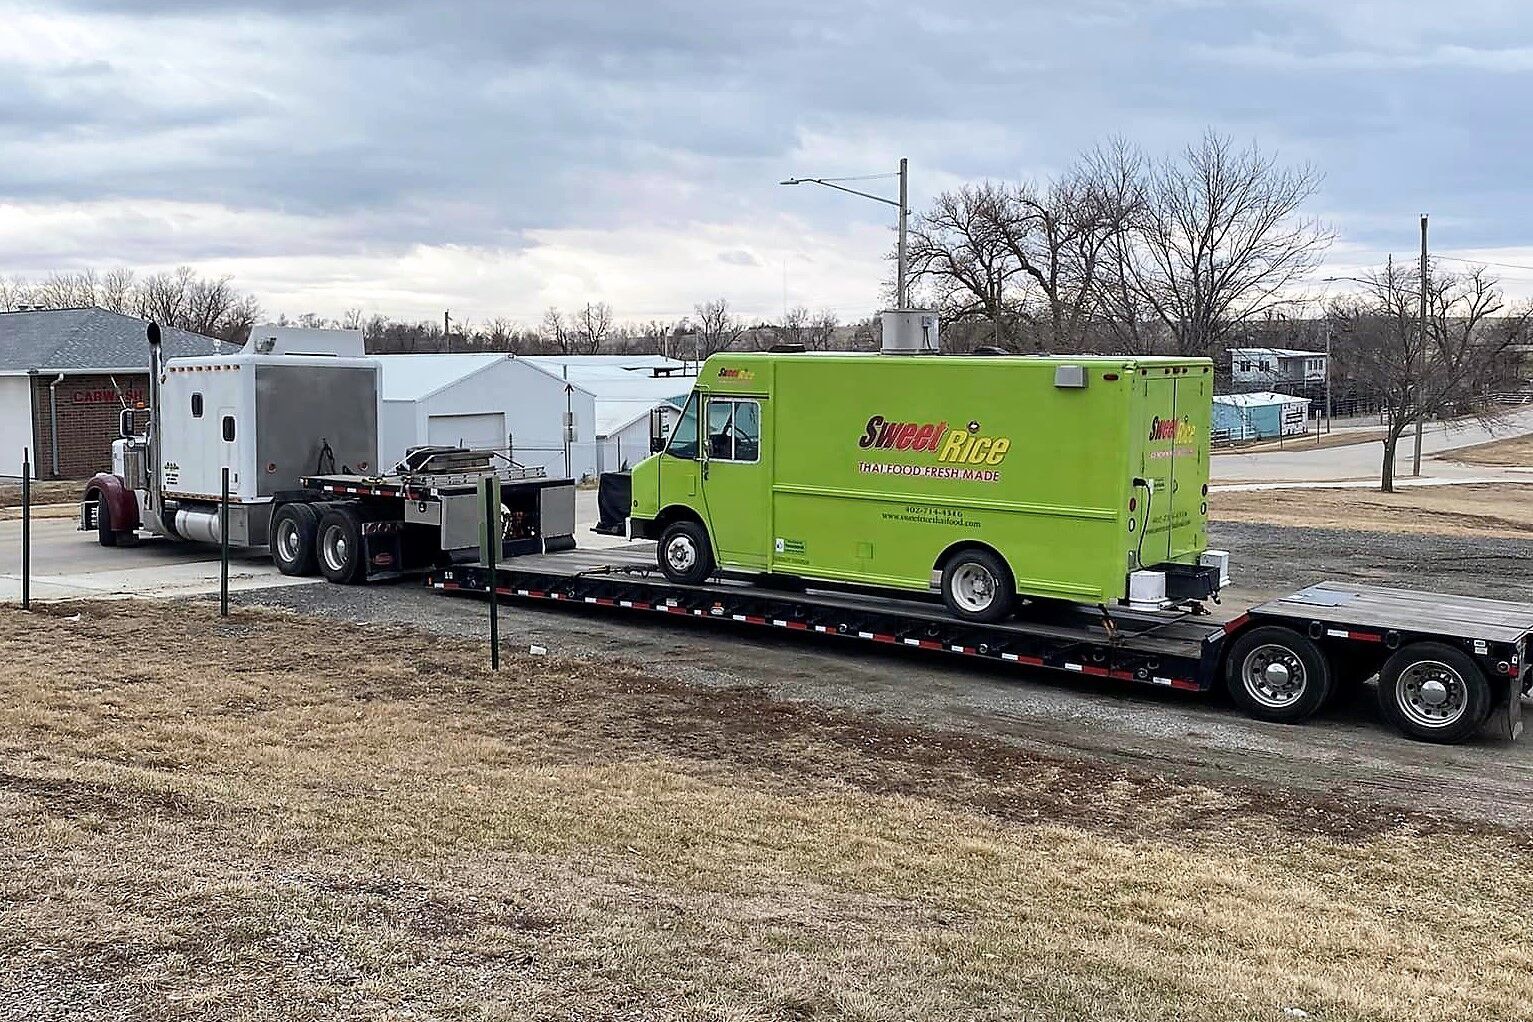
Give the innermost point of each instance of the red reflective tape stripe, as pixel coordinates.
(929, 643)
(605, 601)
(1366, 637)
(1100, 672)
(1122, 675)
(536, 593)
(880, 637)
(451, 585)
(1184, 684)
(752, 619)
(799, 625)
(1031, 661)
(677, 610)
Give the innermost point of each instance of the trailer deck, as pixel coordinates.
(1339, 632)
(1155, 648)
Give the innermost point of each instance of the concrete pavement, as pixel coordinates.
(68, 564)
(1363, 461)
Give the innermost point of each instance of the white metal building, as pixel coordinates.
(625, 389)
(490, 401)
(517, 403)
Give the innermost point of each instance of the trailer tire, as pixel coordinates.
(1434, 693)
(338, 546)
(684, 553)
(977, 586)
(293, 538)
(1278, 675)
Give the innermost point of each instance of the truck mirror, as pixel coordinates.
(125, 423)
(656, 444)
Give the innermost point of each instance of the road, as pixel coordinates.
(1361, 461)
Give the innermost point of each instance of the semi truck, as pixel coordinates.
(292, 418)
(986, 479)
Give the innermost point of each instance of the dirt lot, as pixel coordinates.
(1516, 452)
(249, 819)
(1499, 510)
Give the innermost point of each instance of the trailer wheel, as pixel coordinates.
(338, 544)
(293, 531)
(977, 586)
(1278, 675)
(684, 553)
(1433, 693)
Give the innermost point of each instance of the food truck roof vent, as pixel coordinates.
(910, 332)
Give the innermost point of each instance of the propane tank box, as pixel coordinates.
(269, 416)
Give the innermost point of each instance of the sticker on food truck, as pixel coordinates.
(940, 451)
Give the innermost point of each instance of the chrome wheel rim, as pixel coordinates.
(287, 541)
(974, 587)
(1431, 694)
(1273, 676)
(334, 548)
(681, 553)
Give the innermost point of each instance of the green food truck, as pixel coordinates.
(986, 478)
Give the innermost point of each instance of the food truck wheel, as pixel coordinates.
(977, 586)
(684, 553)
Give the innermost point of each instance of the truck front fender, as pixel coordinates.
(119, 498)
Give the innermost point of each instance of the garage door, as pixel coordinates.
(484, 431)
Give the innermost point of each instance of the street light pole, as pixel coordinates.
(901, 295)
(1421, 350)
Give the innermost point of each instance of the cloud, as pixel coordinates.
(476, 153)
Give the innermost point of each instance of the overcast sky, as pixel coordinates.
(497, 157)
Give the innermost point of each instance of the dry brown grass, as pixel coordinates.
(1516, 452)
(280, 817)
(1470, 510)
(1312, 442)
(44, 491)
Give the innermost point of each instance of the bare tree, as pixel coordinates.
(1218, 240)
(556, 332)
(117, 291)
(820, 331)
(717, 329)
(592, 325)
(957, 252)
(1445, 369)
(16, 293)
(795, 325)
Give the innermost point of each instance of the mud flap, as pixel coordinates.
(1507, 717)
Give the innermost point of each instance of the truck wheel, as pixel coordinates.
(105, 535)
(977, 586)
(684, 553)
(293, 529)
(1278, 675)
(1433, 693)
(338, 545)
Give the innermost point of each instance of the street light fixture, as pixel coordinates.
(903, 205)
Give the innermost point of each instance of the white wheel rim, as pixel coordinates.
(334, 548)
(681, 553)
(287, 541)
(1431, 694)
(974, 587)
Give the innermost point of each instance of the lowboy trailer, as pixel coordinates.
(1447, 665)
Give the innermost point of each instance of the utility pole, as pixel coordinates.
(1328, 332)
(901, 298)
(1421, 351)
(446, 329)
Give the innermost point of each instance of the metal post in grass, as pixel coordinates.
(223, 545)
(26, 528)
(489, 554)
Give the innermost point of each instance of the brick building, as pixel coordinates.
(70, 371)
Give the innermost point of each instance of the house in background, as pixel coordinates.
(65, 374)
(1288, 370)
(1259, 415)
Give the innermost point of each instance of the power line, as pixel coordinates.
(1484, 262)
